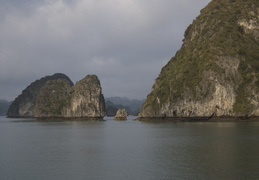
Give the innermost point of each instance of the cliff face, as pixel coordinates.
(58, 98)
(86, 99)
(215, 73)
(23, 105)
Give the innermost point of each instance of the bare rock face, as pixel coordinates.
(86, 99)
(215, 73)
(58, 98)
(121, 114)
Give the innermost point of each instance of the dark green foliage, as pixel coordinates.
(240, 29)
(29, 95)
(52, 98)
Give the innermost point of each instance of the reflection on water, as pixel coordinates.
(128, 150)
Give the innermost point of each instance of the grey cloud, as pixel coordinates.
(125, 43)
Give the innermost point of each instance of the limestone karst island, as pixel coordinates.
(215, 74)
(56, 97)
(216, 71)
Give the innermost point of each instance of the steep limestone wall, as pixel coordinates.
(86, 99)
(216, 71)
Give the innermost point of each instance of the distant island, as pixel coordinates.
(132, 106)
(4, 105)
(215, 74)
(56, 96)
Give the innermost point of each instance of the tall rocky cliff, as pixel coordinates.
(86, 99)
(216, 71)
(56, 97)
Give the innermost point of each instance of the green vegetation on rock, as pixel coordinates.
(23, 105)
(56, 97)
(220, 49)
(52, 98)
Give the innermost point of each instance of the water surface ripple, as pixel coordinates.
(129, 149)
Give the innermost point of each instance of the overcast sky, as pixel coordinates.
(124, 42)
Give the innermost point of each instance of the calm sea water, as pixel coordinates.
(110, 149)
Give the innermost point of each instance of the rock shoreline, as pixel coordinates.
(51, 119)
(199, 119)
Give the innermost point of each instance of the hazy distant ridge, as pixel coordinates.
(4, 105)
(131, 105)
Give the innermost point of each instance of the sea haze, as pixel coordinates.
(129, 149)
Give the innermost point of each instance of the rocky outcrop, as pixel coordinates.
(215, 73)
(112, 108)
(52, 99)
(23, 105)
(132, 106)
(86, 99)
(58, 98)
(121, 114)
